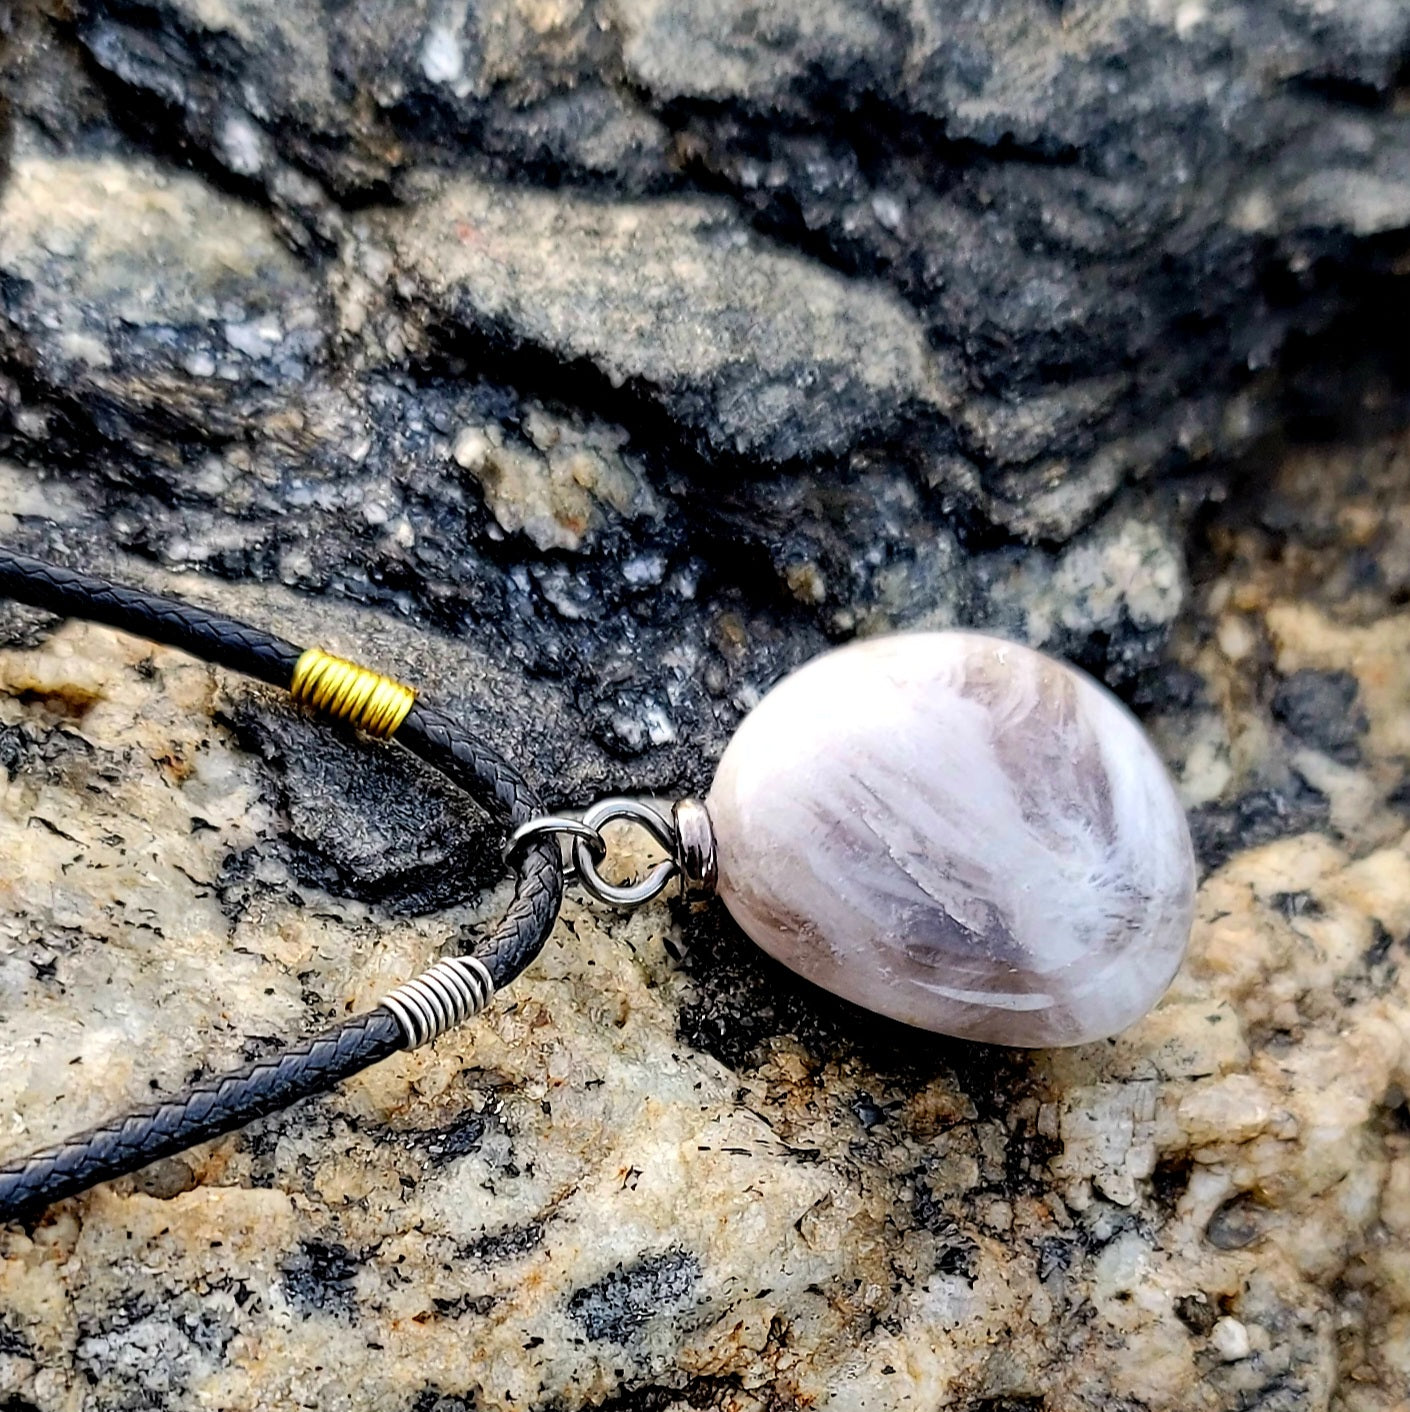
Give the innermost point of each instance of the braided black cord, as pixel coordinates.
(492, 782)
(209, 636)
(223, 1103)
(205, 1110)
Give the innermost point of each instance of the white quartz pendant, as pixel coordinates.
(961, 833)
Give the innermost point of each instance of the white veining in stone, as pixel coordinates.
(961, 833)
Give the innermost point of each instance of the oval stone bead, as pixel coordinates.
(961, 833)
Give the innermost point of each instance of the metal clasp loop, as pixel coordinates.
(625, 894)
(687, 837)
(555, 826)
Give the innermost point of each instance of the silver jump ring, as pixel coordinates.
(626, 894)
(555, 826)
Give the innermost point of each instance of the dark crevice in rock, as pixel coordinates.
(1260, 816)
(700, 1394)
(868, 144)
(524, 372)
(1004, 1404)
(168, 88)
(1340, 91)
(367, 821)
(511, 1243)
(618, 1305)
(148, 68)
(318, 1278)
(432, 1399)
(14, 1344)
(184, 90)
(1320, 708)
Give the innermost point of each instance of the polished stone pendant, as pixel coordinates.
(961, 833)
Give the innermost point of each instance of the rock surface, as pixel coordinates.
(592, 364)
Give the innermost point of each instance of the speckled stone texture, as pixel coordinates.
(1082, 324)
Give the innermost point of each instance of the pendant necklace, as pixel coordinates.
(946, 828)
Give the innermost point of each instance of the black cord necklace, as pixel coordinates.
(946, 828)
(448, 993)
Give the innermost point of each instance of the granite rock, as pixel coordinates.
(1112, 223)
(592, 365)
(770, 355)
(263, 426)
(698, 1182)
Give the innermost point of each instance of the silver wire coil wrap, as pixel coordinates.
(439, 999)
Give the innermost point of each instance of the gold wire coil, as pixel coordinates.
(347, 692)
